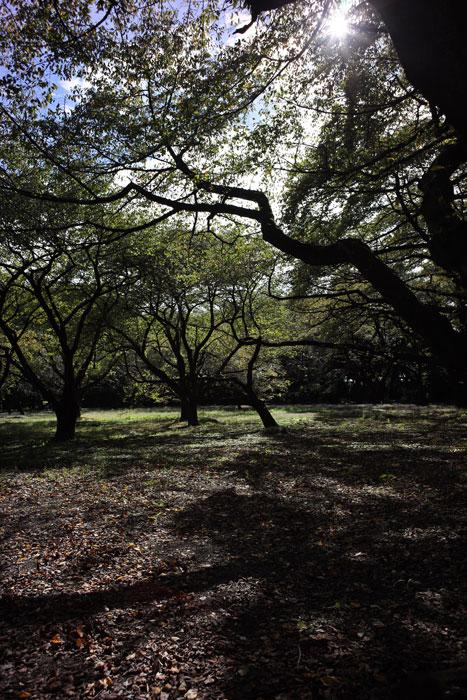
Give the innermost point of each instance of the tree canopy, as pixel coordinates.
(346, 154)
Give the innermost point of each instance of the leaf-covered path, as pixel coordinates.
(153, 561)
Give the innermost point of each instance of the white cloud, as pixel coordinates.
(244, 18)
(70, 85)
(123, 177)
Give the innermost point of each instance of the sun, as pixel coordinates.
(338, 25)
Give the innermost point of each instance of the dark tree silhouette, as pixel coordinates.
(429, 37)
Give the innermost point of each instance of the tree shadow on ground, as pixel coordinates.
(31, 449)
(310, 577)
(303, 608)
(365, 596)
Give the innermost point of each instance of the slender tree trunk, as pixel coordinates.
(252, 398)
(261, 409)
(67, 411)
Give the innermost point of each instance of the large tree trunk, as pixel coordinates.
(435, 329)
(67, 411)
(189, 410)
(429, 37)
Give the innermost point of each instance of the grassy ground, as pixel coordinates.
(150, 560)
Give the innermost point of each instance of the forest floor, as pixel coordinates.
(148, 560)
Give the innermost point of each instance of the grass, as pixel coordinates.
(108, 439)
(113, 441)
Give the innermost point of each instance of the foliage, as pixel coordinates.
(367, 194)
(196, 303)
(49, 293)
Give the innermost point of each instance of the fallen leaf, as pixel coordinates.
(381, 677)
(329, 680)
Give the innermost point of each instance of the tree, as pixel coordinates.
(442, 233)
(427, 36)
(187, 321)
(247, 379)
(429, 40)
(49, 314)
(5, 363)
(192, 170)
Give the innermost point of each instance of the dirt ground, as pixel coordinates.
(147, 560)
